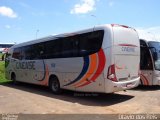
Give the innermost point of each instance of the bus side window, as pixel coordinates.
(70, 47)
(39, 50)
(53, 49)
(16, 53)
(28, 52)
(75, 47)
(22, 55)
(90, 43)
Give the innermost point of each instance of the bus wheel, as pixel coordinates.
(55, 85)
(13, 78)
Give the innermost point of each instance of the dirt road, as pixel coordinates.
(32, 99)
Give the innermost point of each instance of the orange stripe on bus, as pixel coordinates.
(45, 81)
(101, 64)
(144, 80)
(92, 68)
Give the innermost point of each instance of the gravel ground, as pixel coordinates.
(32, 99)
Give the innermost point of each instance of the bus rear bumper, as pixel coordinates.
(121, 85)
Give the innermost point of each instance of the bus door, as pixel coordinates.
(146, 65)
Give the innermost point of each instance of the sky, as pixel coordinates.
(24, 20)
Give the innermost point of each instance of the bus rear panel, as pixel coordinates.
(124, 68)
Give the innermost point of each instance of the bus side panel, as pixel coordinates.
(66, 70)
(93, 86)
(108, 49)
(84, 73)
(37, 72)
(29, 71)
(16, 71)
(108, 63)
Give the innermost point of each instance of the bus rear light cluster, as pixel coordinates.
(117, 25)
(111, 73)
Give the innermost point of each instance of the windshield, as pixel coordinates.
(155, 47)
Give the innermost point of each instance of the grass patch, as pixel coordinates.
(2, 73)
(0, 56)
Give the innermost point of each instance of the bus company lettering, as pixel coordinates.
(26, 65)
(128, 49)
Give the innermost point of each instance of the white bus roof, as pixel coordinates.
(99, 27)
(43, 39)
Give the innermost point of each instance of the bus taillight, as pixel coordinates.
(111, 73)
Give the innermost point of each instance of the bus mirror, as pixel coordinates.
(155, 56)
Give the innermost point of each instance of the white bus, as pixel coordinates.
(150, 62)
(5, 46)
(102, 59)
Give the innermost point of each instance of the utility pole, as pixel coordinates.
(95, 18)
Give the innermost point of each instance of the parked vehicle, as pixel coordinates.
(101, 59)
(150, 62)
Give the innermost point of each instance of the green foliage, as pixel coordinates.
(0, 56)
(2, 73)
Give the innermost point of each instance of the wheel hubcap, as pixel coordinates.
(54, 86)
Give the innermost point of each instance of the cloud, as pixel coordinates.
(7, 26)
(8, 12)
(111, 4)
(24, 5)
(85, 6)
(152, 33)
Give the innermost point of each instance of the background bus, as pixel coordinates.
(5, 46)
(101, 59)
(150, 62)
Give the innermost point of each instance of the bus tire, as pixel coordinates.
(13, 78)
(54, 85)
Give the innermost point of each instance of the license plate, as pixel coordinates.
(129, 85)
